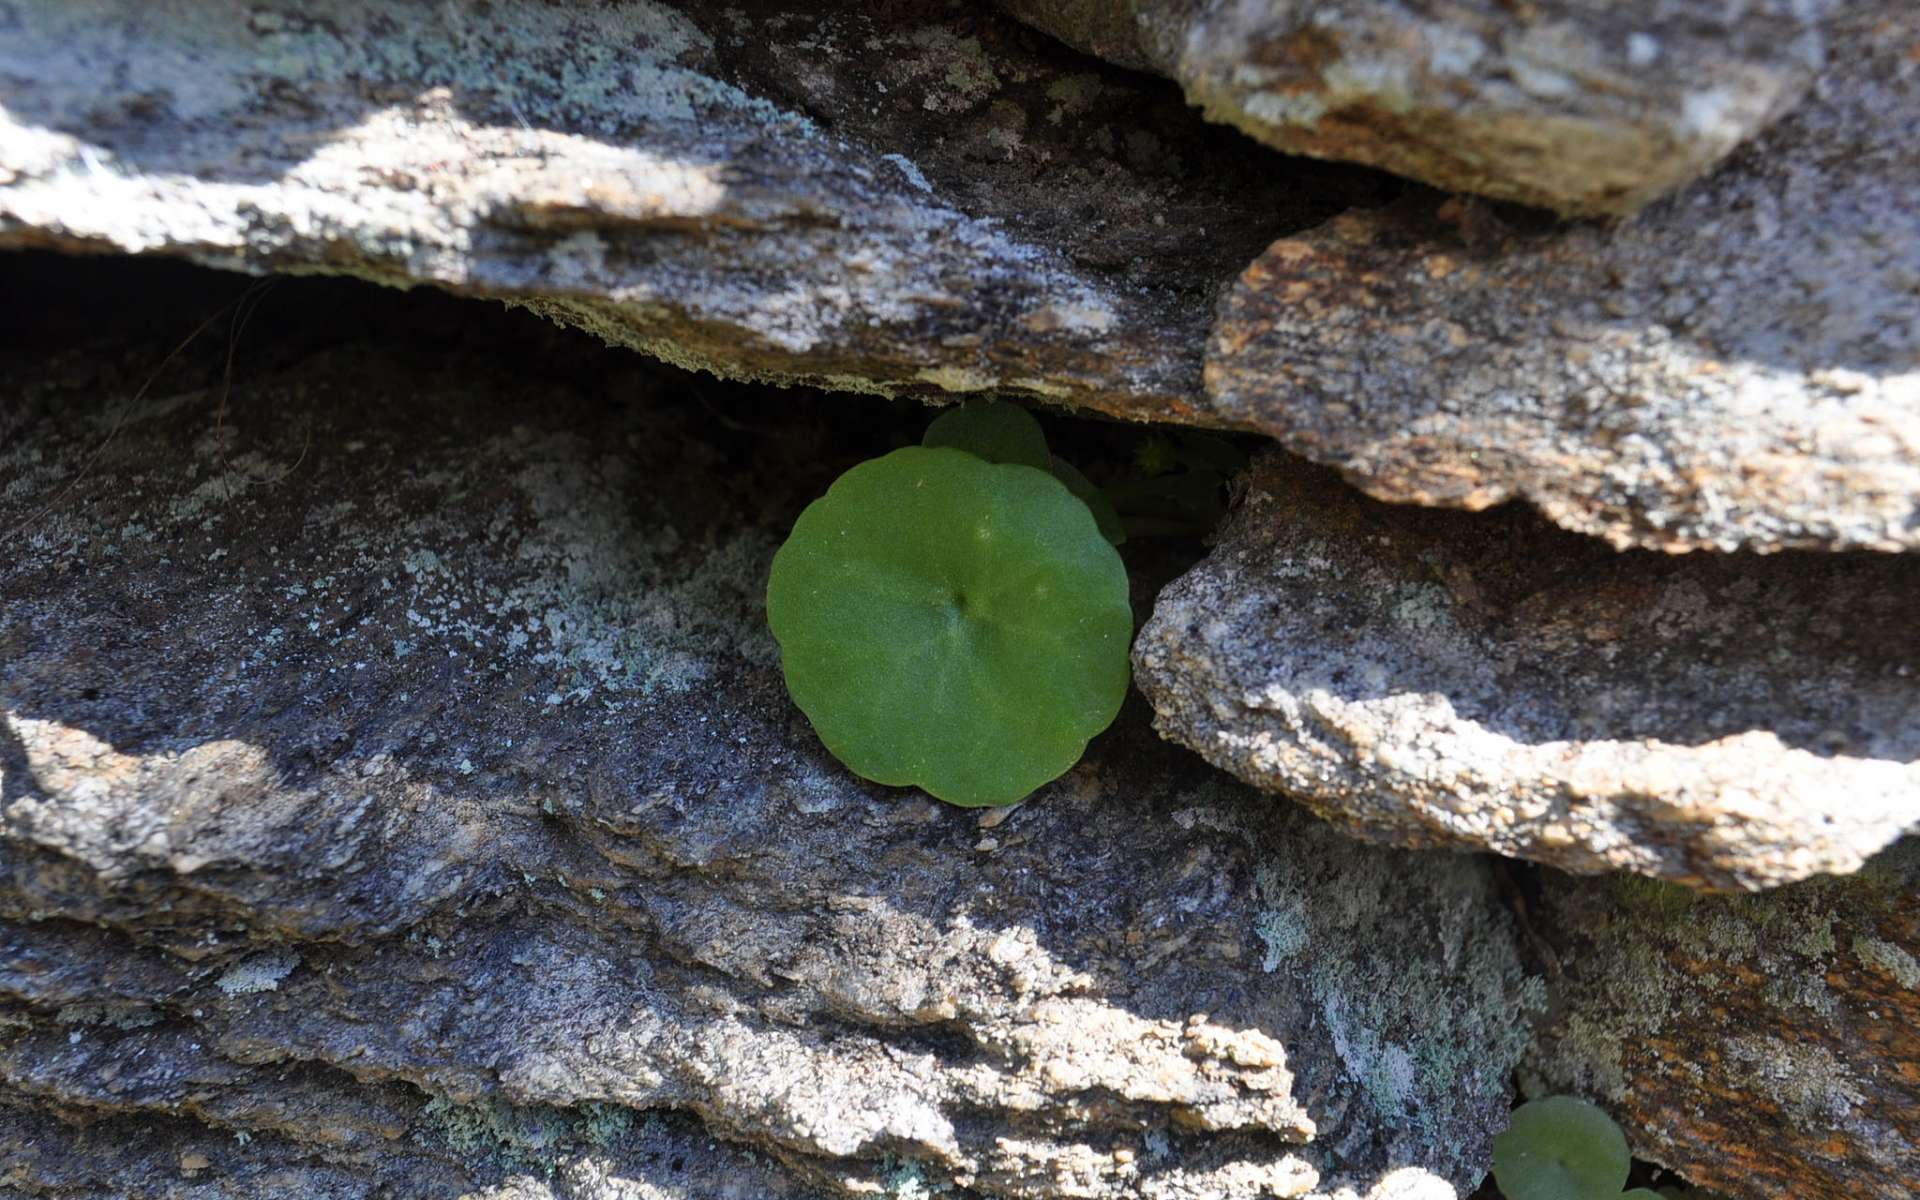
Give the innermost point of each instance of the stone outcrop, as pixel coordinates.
(1738, 366)
(1449, 679)
(915, 197)
(1580, 106)
(928, 198)
(1763, 1045)
(399, 791)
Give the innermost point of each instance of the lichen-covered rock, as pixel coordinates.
(1433, 678)
(915, 197)
(1738, 366)
(1762, 1045)
(1583, 106)
(399, 792)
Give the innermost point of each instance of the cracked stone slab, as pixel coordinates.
(1430, 678)
(1737, 366)
(917, 198)
(1579, 106)
(397, 732)
(1761, 1045)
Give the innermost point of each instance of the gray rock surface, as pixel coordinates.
(1738, 366)
(915, 197)
(398, 791)
(931, 198)
(1582, 106)
(1764, 1045)
(1430, 678)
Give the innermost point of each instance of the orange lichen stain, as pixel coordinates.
(1288, 251)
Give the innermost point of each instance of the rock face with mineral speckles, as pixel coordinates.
(400, 791)
(1445, 679)
(1736, 367)
(1582, 106)
(917, 197)
(1764, 1045)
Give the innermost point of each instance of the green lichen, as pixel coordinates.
(1889, 958)
(1640, 975)
(536, 1137)
(113, 1014)
(904, 1179)
(1424, 1035)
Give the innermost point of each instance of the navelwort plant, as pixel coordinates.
(953, 616)
(1563, 1148)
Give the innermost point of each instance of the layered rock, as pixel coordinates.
(917, 197)
(1429, 678)
(929, 198)
(1763, 1045)
(400, 791)
(1738, 366)
(1583, 107)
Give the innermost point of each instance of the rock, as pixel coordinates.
(1577, 106)
(398, 791)
(1738, 366)
(1429, 678)
(911, 198)
(1762, 1045)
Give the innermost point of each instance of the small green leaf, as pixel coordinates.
(1640, 1194)
(996, 431)
(951, 623)
(1155, 455)
(1560, 1148)
(1104, 514)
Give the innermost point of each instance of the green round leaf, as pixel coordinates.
(951, 623)
(1560, 1148)
(1104, 514)
(996, 431)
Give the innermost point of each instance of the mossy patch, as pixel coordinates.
(491, 1133)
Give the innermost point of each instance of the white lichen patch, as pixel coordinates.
(956, 71)
(1449, 1017)
(908, 169)
(1890, 958)
(260, 972)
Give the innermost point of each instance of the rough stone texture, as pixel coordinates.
(1431, 678)
(912, 197)
(397, 791)
(1765, 1046)
(1582, 106)
(1737, 366)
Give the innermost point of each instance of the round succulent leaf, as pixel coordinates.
(1104, 514)
(952, 624)
(1560, 1148)
(996, 431)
